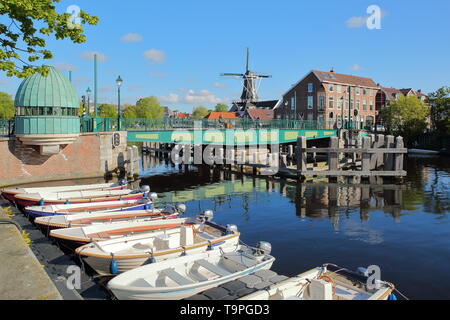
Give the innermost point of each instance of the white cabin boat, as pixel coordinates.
(328, 282)
(187, 275)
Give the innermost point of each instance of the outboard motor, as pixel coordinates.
(231, 229)
(145, 189)
(180, 207)
(123, 182)
(262, 247)
(206, 215)
(153, 196)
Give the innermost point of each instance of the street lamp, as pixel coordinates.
(88, 92)
(119, 82)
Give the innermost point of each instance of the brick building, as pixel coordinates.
(324, 96)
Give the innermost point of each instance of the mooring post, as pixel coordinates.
(301, 154)
(333, 156)
(365, 162)
(399, 156)
(389, 164)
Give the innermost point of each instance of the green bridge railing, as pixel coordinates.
(130, 124)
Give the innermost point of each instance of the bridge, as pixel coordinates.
(230, 132)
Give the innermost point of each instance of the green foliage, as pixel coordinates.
(107, 111)
(27, 23)
(405, 117)
(130, 112)
(220, 107)
(200, 112)
(440, 109)
(7, 109)
(149, 108)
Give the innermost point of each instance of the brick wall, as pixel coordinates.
(91, 155)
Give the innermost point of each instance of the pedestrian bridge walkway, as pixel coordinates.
(225, 132)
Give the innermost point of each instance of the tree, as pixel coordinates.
(7, 109)
(405, 117)
(130, 112)
(220, 107)
(107, 111)
(149, 108)
(440, 109)
(27, 23)
(200, 112)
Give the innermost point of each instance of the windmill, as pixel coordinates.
(249, 94)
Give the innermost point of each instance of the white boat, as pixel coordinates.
(89, 207)
(188, 275)
(9, 193)
(88, 218)
(328, 282)
(133, 251)
(83, 196)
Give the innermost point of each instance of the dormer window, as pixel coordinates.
(330, 87)
(310, 87)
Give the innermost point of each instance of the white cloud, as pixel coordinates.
(132, 37)
(158, 74)
(106, 89)
(356, 67)
(156, 56)
(65, 66)
(219, 85)
(203, 96)
(134, 88)
(356, 22)
(170, 98)
(89, 55)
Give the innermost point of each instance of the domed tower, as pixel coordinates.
(47, 112)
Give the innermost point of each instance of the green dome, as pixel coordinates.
(55, 90)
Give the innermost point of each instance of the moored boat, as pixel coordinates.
(9, 193)
(42, 198)
(194, 236)
(90, 207)
(84, 219)
(187, 275)
(328, 282)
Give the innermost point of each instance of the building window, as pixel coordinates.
(357, 91)
(357, 104)
(293, 102)
(364, 105)
(371, 106)
(346, 103)
(310, 87)
(331, 88)
(352, 103)
(322, 102)
(339, 88)
(310, 102)
(331, 103)
(364, 91)
(331, 115)
(340, 103)
(371, 92)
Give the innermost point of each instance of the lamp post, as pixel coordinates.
(119, 82)
(88, 92)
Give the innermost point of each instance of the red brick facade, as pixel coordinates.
(324, 96)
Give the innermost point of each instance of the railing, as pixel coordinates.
(6, 127)
(170, 124)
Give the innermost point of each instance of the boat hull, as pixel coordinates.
(181, 293)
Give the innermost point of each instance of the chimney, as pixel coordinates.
(419, 91)
(332, 69)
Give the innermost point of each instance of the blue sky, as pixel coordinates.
(177, 49)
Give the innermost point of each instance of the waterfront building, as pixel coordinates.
(324, 96)
(47, 112)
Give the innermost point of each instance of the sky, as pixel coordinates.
(176, 50)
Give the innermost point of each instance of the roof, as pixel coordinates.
(266, 104)
(54, 90)
(260, 114)
(326, 76)
(182, 116)
(224, 115)
(390, 92)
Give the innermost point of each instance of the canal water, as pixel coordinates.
(402, 228)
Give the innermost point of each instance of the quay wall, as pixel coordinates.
(91, 155)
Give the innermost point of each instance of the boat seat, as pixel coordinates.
(141, 246)
(102, 235)
(175, 276)
(241, 259)
(213, 268)
(206, 236)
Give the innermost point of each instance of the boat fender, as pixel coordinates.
(67, 202)
(41, 202)
(114, 267)
(392, 296)
(150, 260)
(147, 206)
(209, 246)
(184, 252)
